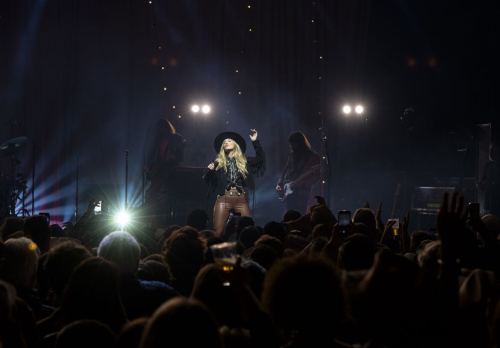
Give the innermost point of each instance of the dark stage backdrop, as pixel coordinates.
(86, 77)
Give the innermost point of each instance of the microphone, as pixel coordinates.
(215, 166)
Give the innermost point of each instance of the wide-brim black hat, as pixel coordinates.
(230, 135)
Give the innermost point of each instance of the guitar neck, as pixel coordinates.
(396, 194)
(310, 171)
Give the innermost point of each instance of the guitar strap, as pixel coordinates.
(286, 167)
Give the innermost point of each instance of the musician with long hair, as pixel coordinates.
(301, 173)
(230, 173)
(165, 154)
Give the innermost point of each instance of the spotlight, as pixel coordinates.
(195, 108)
(122, 218)
(347, 109)
(359, 109)
(205, 109)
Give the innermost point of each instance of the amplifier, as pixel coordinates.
(428, 199)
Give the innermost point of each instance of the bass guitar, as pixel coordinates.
(287, 190)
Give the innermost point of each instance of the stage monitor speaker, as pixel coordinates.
(428, 199)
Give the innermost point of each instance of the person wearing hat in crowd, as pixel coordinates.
(230, 173)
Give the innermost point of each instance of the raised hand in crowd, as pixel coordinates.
(404, 236)
(378, 219)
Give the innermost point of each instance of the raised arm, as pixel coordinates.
(257, 164)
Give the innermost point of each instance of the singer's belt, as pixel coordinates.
(233, 192)
(232, 186)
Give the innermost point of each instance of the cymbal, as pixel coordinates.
(11, 146)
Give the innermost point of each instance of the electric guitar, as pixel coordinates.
(287, 190)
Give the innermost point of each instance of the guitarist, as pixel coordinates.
(166, 153)
(300, 160)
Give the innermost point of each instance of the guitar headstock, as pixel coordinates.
(397, 190)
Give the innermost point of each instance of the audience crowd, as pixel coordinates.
(298, 282)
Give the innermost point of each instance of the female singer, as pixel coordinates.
(230, 173)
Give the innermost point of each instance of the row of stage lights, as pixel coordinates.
(358, 109)
(347, 109)
(196, 108)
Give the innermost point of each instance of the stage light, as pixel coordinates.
(359, 109)
(122, 218)
(346, 109)
(205, 109)
(195, 108)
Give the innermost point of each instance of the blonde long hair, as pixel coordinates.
(241, 160)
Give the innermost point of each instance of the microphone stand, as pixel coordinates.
(33, 163)
(144, 168)
(77, 178)
(328, 169)
(126, 179)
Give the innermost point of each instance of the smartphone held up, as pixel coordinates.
(344, 219)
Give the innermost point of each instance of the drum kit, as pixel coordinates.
(12, 185)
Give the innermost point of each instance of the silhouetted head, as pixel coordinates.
(20, 259)
(249, 236)
(197, 219)
(264, 255)
(92, 293)
(275, 229)
(291, 215)
(366, 216)
(356, 253)
(189, 324)
(85, 333)
(61, 262)
(272, 242)
(303, 295)
(123, 250)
